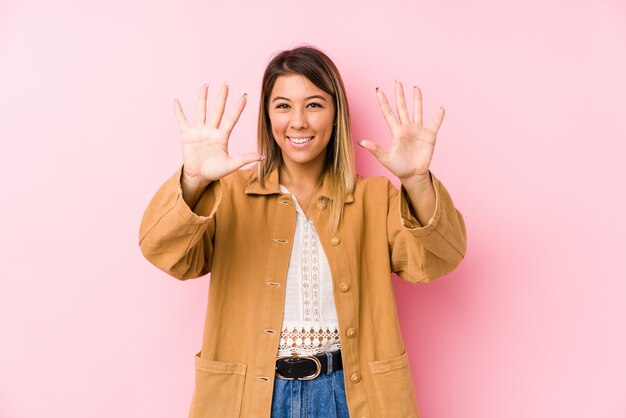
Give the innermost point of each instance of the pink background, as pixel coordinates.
(532, 324)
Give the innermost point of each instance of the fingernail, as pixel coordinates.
(262, 158)
(225, 83)
(245, 95)
(359, 142)
(376, 89)
(206, 85)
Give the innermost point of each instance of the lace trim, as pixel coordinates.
(308, 340)
(310, 275)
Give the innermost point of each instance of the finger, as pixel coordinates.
(201, 116)
(232, 119)
(437, 123)
(216, 115)
(239, 161)
(379, 152)
(417, 105)
(403, 113)
(180, 116)
(386, 108)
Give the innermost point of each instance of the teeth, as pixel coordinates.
(300, 140)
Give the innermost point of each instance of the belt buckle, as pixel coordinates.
(315, 360)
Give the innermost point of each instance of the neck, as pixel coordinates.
(302, 176)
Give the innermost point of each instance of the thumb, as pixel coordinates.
(239, 161)
(377, 151)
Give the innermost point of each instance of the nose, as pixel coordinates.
(298, 119)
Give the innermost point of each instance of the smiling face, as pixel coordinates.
(302, 119)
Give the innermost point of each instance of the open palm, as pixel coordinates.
(412, 144)
(205, 145)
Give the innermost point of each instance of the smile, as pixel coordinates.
(300, 140)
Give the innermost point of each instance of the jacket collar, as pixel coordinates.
(272, 186)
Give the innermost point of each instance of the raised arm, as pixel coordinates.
(176, 232)
(427, 233)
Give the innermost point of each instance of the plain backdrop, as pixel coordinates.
(533, 322)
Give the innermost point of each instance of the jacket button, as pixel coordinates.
(335, 241)
(344, 287)
(351, 332)
(356, 378)
(321, 205)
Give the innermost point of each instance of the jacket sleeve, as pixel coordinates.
(175, 238)
(421, 253)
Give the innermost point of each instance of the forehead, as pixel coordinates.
(296, 86)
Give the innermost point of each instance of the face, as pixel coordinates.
(302, 119)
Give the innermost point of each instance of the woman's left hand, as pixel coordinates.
(412, 144)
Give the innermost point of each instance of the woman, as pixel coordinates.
(301, 318)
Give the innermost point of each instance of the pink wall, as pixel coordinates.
(533, 324)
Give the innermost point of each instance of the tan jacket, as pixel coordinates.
(242, 232)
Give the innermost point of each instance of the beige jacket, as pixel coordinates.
(241, 233)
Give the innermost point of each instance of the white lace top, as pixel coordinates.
(310, 323)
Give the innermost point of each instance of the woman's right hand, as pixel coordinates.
(205, 145)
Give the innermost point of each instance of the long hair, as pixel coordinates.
(339, 174)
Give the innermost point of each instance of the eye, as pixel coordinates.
(314, 105)
(282, 106)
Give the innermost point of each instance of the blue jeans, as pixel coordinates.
(322, 397)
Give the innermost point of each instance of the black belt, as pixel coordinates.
(297, 367)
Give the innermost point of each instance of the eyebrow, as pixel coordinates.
(317, 96)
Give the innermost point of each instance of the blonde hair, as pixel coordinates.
(339, 174)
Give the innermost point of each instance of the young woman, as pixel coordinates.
(301, 318)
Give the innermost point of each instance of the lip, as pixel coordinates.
(295, 140)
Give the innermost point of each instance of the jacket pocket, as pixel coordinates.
(394, 387)
(219, 389)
